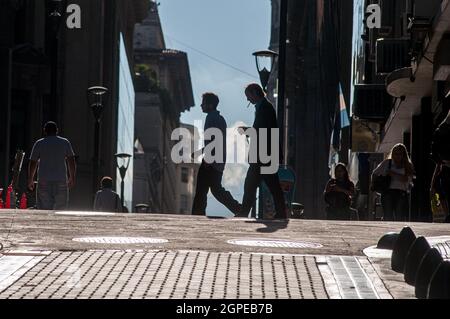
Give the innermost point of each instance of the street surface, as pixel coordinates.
(85, 255)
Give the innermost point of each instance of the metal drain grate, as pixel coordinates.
(120, 240)
(167, 275)
(274, 243)
(352, 280)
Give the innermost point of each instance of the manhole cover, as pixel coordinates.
(120, 240)
(84, 214)
(274, 243)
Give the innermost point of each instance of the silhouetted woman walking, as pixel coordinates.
(395, 199)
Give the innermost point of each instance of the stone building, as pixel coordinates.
(401, 75)
(318, 58)
(187, 174)
(164, 91)
(40, 55)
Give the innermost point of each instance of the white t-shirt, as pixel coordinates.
(396, 181)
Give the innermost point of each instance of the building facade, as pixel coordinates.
(46, 69)
(401, 79)
(318, 59)
(164, 91)
(187, 174)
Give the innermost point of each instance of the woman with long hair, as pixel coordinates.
(395, 200)
(338, 195)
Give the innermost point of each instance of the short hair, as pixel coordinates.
(107, 182)
(50, 128)
(211, 99)
(255, 89)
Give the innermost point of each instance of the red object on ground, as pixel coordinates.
(23, 201)
(8, 197)
(1, 199)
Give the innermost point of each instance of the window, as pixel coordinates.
(185, 175)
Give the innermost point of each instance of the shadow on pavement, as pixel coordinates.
(271, 226)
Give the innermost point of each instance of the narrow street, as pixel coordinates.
(88, 255)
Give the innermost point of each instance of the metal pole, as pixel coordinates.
(282, 63)
(96, 155)
(122, 191)
(54, 20)
(54, 79)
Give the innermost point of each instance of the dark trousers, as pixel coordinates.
(211, 179)
(253, 181)
(395, 204)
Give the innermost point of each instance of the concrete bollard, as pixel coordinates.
(388, 241)
(401, 248)
(426, 269)
(439, 287)
(418, 250)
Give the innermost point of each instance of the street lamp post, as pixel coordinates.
(123, 162)
(265, 61)
(96, 95)
(54, 16)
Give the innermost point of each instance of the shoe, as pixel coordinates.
(282, 217)
(238, 212)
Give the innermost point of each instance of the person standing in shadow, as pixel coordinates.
(52, 157)
(440, 153)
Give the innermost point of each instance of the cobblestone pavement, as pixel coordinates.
(166, 275)
(86, 255)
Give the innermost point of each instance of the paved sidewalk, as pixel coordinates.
(49, 255)
(164, 275)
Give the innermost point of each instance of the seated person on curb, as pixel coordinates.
(106, 200)
(338, 195)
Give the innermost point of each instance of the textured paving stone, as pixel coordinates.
(164, 274)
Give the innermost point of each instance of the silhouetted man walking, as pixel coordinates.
(51, 154)
(265, 118)
(210, 174)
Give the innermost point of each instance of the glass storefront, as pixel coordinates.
(358, 44)
(125, 127)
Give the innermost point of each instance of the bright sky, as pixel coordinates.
(229, 31)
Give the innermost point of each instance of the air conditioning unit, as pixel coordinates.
(392, 54)
(372, 102)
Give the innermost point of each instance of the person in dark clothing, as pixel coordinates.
(338, 195)
(440, 153)
(210, 174)
(107, 200)
(265, 118)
